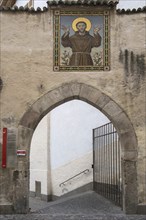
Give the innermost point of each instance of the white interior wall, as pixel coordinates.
(39, 156)
(69, 170)
(71, 131)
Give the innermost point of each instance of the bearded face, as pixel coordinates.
(81, 26)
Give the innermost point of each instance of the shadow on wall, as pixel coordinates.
(135, 69)
(1, 84)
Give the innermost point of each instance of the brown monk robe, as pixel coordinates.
(81, 47)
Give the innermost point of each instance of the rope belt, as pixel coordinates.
(81, 53)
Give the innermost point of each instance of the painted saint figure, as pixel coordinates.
(81, 42)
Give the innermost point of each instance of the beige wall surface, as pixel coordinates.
(27, 62)
(27, 70)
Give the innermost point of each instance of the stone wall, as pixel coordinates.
(27, 75)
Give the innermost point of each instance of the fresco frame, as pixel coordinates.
(57, 66)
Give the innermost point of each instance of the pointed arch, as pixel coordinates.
(106, 105)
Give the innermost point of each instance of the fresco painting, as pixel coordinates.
(80, 42)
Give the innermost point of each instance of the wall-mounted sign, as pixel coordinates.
(21, 152)
(81, 40)
(4, 148)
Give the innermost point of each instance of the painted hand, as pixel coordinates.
(65, 29)
(96, 29)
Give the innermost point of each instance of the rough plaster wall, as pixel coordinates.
(131, 42)
(27, 70)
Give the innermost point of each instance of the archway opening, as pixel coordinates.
(62, 152)
(106, 105)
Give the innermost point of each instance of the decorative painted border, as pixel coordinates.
(106, 43)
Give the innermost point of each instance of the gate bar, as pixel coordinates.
(108, 159)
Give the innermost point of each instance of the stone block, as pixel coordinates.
(43, 105)
(122, 123)
(22, 165)
(89, 94)
(24, 138)
(130, 155)
(75, 87)
(21, 204)
(111, 109)
(20, 197)
(6, 207)
(30, 119)
(66, 91)
(57, 97)
(102, 101)
(128, 141)
(130, 187)
(141, 209)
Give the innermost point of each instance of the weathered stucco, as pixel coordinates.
(29, 84)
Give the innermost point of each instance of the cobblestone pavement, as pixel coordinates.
(87, 206)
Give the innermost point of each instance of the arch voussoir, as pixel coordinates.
(122, 123)
(89, 94)
(66, 92)
(43, 105)
(111, 109)
(30, 118)
(24, 138)
(76, 88)
(102, 101)
(128, 141)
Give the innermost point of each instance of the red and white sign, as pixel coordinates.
(21, 152)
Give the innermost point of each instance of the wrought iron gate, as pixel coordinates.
(107, 163)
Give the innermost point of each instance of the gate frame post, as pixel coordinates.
(129, 178)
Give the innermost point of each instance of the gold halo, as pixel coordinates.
(80, 19)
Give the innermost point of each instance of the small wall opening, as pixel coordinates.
(38, 189)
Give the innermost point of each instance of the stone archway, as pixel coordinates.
(105, 104)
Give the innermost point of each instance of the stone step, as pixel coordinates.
(5, 206)
(141, 209)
